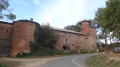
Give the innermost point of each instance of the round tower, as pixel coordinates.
(23, 33)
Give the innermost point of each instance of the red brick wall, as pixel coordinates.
(5, 38)
(22, 35)
(76, 39)
(6, 31)
(87, 40)
(85, 27)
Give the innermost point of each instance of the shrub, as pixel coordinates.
(44, 39)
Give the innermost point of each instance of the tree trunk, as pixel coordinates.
(105, 38)
(110, 39)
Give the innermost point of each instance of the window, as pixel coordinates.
(7, 30)
(81, 47)
(65, 40)
(72, 46)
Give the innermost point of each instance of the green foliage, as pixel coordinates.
(44, 40)
(76, 27)
(112, 46)
(102, 60)
(108, 17)
(1, 65)
(5, 12)
(47, 37)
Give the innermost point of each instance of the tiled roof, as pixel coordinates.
(69, 31)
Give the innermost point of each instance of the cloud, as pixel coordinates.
(38, 3)
(60, 13)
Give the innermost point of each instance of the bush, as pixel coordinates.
(44, 39)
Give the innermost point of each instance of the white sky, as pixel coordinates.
(58, 13)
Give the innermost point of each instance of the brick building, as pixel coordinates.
(71, 40)
(15, 37)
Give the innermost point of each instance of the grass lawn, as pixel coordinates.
(104, 60)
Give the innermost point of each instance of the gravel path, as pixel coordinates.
(34, 62)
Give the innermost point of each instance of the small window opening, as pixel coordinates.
(65, 40)
(81, 46)
(72, 46)
(6, 30)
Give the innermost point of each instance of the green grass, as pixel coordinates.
(9, 63)
(101, 61)
(53, 53)
(2, 65)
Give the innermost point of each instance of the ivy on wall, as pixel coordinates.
(44, 40)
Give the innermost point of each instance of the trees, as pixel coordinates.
(5, 13)
(44, 40)
(76, 27)
(109, 17)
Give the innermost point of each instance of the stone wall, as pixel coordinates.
(92, 39)
(17, 36)
(85, 27)
(71, 40)
(5, 37)
(86, 39)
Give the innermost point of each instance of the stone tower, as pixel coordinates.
(88, 30)
(85, 27)
(23, 31)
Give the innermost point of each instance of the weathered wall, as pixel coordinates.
(77, 41)
(6, 30)
(73, 41)
(5, 37)
(22, 35)
(90, 31)
(91, 44)
(19, 34)
(85, 27)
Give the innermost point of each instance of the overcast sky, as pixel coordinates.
(58, 13)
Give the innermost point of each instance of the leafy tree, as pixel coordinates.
(44, 40)
(108, 17)
(76, 27)
(5, 12)
(47, 37)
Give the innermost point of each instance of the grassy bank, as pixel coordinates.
(2, 65)
(104, 60)
(54, 53)
(9, 63)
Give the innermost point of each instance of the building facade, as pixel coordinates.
(71, 40)
(15, 37)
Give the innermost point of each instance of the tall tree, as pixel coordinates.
(109, 17)
(5, 12)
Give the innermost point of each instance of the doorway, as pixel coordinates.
(4, 47)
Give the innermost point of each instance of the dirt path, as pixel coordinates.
(34, 62)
